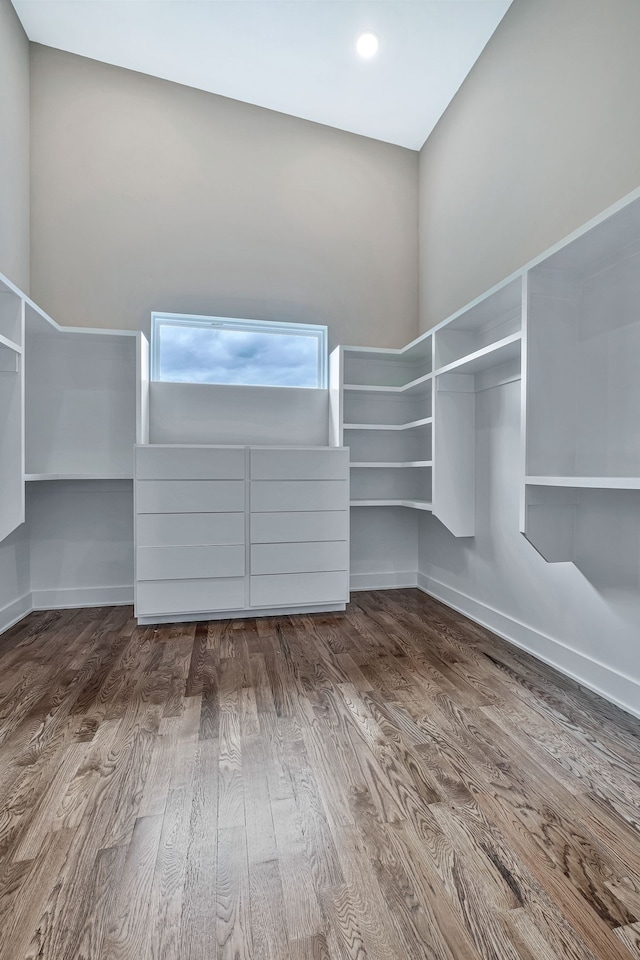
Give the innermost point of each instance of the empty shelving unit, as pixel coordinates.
(408, 416)
(477, 348)
(386, 422)
(83, 400)
(582, 390)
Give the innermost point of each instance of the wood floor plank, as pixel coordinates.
(268, 923)
(311, 948)
(128, 927)
(526, 937)
(261, 838)
(13, 877)
(389, 783)
(381, 938)
(303, 915)
(233, 924)
(101, 890)
(345, 937)
(43, 817)
(428, 924)
(630, 937)
(230, 783)
(21, 923)
(198, 919)
(169, 876)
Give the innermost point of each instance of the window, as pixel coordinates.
(187, 349)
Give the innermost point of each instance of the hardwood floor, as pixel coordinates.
(391, 783)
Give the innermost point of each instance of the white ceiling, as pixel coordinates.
(294, 56)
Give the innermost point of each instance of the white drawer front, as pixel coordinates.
(295, 589)
(292, 527)
(294, 495)
(157, 597)
(190, 463)
(189, 496)
(299, 557)
(330, 464)
(176, 529)
(189, 563)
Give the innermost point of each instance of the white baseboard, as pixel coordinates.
(597, 676)
(15, 611)
(69, 599)
(383, 581)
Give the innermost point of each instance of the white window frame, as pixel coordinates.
(318, 331)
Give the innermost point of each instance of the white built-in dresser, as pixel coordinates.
(228, 531)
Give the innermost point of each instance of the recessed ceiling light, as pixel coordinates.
(367, 45)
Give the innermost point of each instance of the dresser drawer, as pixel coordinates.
(189, 496)
(294, 495)
(167, 597)
(299, 557)
(177, 529)
(189, 563)
(295, 589)
(293, 527)
(330, 464)
(190, 463)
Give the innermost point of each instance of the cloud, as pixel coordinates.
(213, 355)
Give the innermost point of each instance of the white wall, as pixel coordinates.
(542, 136)
(384, 547)
(14, 147)
(148, 195)
(581, 619)
(81, 536)
(215, 413)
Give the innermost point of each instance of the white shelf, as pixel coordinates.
(425, 421)
(594, 483)
(7, 344)
(32, 477)
(413, 504)
(490, 356)
(381, 463)
(418, 351)
(407, 389)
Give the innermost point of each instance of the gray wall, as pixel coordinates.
(150, 195)
(14, 147)
(542, 135)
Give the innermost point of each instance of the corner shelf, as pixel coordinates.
(383, 408)
(413, 388)
(410, 464)
(413, 504)
(412, 425)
